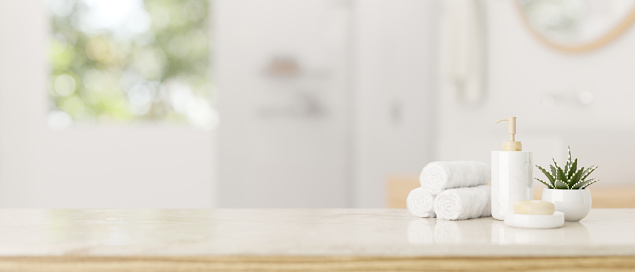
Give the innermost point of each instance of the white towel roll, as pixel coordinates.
(438, 176)
(463, 203)
(420, 203)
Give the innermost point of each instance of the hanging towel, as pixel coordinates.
(463, 203)
(438, 176)
(420, 203)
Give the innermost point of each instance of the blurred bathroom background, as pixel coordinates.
(302, 104)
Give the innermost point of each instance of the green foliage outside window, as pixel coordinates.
(125, 60)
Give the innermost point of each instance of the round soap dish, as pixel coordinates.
(535, 221)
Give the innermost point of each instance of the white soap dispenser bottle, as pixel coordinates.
(511, 174)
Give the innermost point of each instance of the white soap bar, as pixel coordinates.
(534, 207)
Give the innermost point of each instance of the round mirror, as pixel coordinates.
(577, 25)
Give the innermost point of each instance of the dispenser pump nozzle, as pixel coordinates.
(512, 145)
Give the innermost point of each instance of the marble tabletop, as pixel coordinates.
(301, 232)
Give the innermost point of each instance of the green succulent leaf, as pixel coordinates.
(560, 175)
(549, 175)
(553, 171)
(567, 166)
(546, 184)
(575, 177)
(587, 185)
(588, 172)
(580, 184)
(573, 168)
(555, 163)
(577, 185)
(559, 184)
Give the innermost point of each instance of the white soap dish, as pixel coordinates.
(535, 221)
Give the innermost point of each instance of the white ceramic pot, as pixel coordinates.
(575, 204)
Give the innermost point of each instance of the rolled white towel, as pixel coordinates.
(438, 176)
(463, 203)
(420, 203)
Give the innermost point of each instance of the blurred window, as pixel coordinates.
(121, 61)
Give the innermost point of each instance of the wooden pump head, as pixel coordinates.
(512, 144)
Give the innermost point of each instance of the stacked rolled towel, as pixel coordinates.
(438, 176)
(463, 180)
(463, 203)
(420, 203)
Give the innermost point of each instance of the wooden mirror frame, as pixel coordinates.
(604, 39)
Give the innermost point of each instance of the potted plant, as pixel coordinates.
(567, 188)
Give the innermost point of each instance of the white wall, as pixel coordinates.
(108, 167)
(520, 72)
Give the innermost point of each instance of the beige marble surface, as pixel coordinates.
(329, 232)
